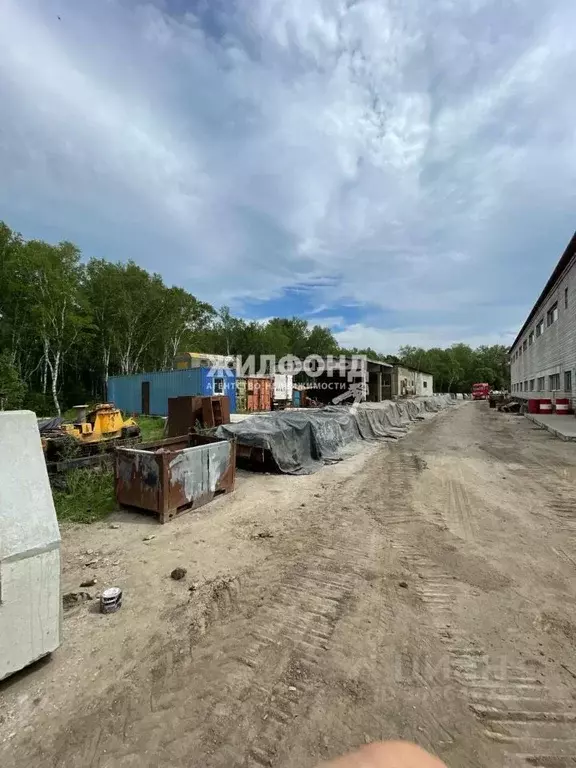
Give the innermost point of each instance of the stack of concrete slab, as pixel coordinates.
(30, 605)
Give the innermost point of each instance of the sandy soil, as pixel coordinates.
(422, 589)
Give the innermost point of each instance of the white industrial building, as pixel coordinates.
(410, 382)
(543, 355)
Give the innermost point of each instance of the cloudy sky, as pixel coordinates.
(403, 171)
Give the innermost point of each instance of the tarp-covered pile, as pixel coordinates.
(301, 441)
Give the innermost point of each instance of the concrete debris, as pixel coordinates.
(71, 599)
(149, 537)
(403, 584)
(114, 526)
(89, 582)
(90, 563)
(178, 573)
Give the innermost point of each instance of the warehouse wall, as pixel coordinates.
(554, 351)
(424, 384)
(417, 383)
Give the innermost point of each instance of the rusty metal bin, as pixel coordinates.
(173, 476)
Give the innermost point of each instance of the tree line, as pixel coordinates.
(67, 324)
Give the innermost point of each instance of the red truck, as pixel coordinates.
(480, 391)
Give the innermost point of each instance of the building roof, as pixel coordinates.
(554, 277)
(411, 368)
(379, 362)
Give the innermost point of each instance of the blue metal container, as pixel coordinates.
(296, 398)
(134, 393)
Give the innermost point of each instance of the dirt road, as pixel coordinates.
(422, 590)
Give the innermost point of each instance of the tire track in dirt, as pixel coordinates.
(518, 713)
(459, 506)
(514, 707)
(388, 501)
(254, 655)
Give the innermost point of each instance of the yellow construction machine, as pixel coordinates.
(95, 428)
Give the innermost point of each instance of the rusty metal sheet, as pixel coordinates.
(137, 479)
(196, 471)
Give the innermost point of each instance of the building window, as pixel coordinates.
(552, 315)
(531, 338)
(425, 384)
(520, 352)
(218, 386)
(567, 381)
(525, 346)
(565, 298)
(554, 382)
(541, 384)
(532, 384)
(540, 328)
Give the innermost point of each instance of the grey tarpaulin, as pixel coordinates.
(301, 441)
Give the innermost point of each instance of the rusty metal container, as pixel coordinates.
(241, 396)
(215, 410)
(265, 394)
(258, 393)
(185, 413)
(173, 476)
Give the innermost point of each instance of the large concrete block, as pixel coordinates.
(30, 605)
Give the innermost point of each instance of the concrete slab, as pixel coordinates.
(30, 604)
(563, 427)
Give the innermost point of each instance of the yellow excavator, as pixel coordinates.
(95, 428)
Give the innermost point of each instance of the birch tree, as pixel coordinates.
(52, 275)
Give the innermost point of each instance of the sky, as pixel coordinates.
(401, 171)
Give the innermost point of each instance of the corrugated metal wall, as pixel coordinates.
(126, 391)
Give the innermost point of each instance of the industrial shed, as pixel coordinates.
(543, 355)
(148, 393)
(335, 385)
(410, 382)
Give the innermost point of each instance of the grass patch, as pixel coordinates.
(85, 495)
(152, 427)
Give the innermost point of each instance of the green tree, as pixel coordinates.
(12, 388)
(50, 279)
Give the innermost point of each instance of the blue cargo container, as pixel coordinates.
(149, 392)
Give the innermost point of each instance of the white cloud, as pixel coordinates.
(414, 158)
(389, 340)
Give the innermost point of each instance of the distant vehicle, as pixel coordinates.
(480, 391)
